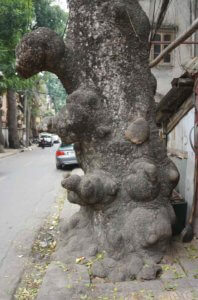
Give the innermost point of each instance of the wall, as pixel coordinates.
(21, 129)
(180, 14)
(4, 108)
(179, 140)
(21, 134)
(5, 134)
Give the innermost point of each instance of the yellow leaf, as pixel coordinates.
(79, 259)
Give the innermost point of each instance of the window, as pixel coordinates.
(160, 42)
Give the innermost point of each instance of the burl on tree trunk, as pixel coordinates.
(110, 117)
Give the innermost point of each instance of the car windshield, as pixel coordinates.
(68, 146)
(45, 136)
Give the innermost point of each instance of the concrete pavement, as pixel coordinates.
(29, 185)
(9, 152)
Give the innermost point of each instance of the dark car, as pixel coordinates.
(45, 140)
(65, 156)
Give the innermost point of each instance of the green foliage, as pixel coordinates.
(15, 18)
(49, 15)
(53, 17)
(37, 98)
(55, 91)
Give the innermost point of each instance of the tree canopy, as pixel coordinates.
(49, 15)
(18, 17)
(15, 18)
(55, 90)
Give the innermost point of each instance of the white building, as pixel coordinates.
(179, 16)
(181, 118)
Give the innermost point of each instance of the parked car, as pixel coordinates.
(65, 156)
(56, 139)
(45, 139)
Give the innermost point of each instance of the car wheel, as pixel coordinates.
(58, 167)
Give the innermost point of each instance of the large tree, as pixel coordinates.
(12, 119)
(15, 19)
(1, 133)
(110, 117)
(51, 16)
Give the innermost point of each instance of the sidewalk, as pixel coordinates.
(178, 281)
(10, 152)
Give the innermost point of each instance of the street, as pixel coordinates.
(29, 185)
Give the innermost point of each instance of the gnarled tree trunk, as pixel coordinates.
(124, 194)
(12, 120)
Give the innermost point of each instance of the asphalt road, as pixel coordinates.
(29, 185)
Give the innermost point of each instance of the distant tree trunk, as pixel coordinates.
(1, 138)
(12, 120)
(110, 117)
(28, 129)
(2, 142)
(33, 127)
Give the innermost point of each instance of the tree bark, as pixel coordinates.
(125, 192)
(34, 127)
(12, 120)
(27, 122)
(1, 138)
(2, 142)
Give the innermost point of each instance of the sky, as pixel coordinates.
(62, 4)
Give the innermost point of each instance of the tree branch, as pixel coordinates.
(43, 50)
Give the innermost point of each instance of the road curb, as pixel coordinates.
(4, 155)
(16, 151)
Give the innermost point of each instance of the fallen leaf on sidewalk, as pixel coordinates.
(79, 259)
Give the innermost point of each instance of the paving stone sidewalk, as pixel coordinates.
(179, 280)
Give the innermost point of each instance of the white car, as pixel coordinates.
(45, 139)
(56, 139)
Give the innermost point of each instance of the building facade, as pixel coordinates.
(180, 15)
